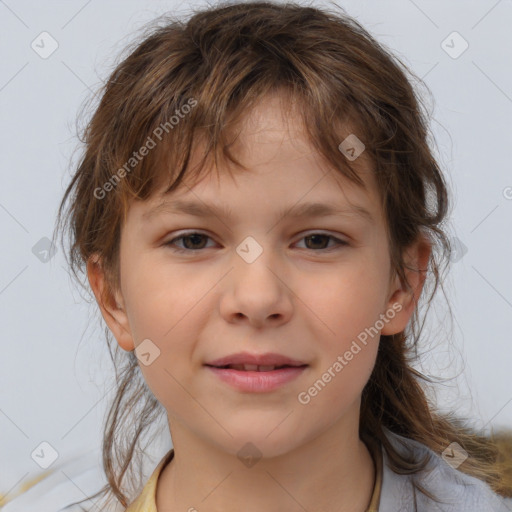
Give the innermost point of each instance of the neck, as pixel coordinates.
(332, 473)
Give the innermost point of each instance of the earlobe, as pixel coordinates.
(403, 301)
(111, 307)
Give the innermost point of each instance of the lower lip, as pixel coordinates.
(257, 382)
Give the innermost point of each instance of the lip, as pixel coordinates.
(257, 382)
(268, 359)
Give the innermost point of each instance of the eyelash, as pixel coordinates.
(170, 243)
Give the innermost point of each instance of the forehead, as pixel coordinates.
(273, 145)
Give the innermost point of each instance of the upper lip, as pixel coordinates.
(269, 359)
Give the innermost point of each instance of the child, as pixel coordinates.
(283, 365)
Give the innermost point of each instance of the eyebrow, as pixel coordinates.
(307, 209)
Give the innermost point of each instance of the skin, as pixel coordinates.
(296, 298)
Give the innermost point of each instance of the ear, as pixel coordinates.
(111, 306)
(403, 301)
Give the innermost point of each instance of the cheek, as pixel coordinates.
(346, 302)
(345, 308)
(175, 336)
(166, 308)
(347, 351)
(161, 299)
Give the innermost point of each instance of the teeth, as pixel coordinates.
(251, 367)
(265, 368)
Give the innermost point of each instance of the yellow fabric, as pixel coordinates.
(146, 501)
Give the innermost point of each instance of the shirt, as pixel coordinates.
(457, 491)
(146, 501)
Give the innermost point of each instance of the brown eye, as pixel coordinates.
(191, 242)
(194, 241)
(319, 241)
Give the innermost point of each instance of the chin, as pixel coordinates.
(256, 444)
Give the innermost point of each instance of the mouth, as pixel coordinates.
(252, 378)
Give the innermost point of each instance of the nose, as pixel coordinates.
(257, 293)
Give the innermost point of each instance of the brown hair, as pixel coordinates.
(208, 72)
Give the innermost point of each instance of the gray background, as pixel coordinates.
(54, 369)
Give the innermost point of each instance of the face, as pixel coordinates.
(312, 288)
